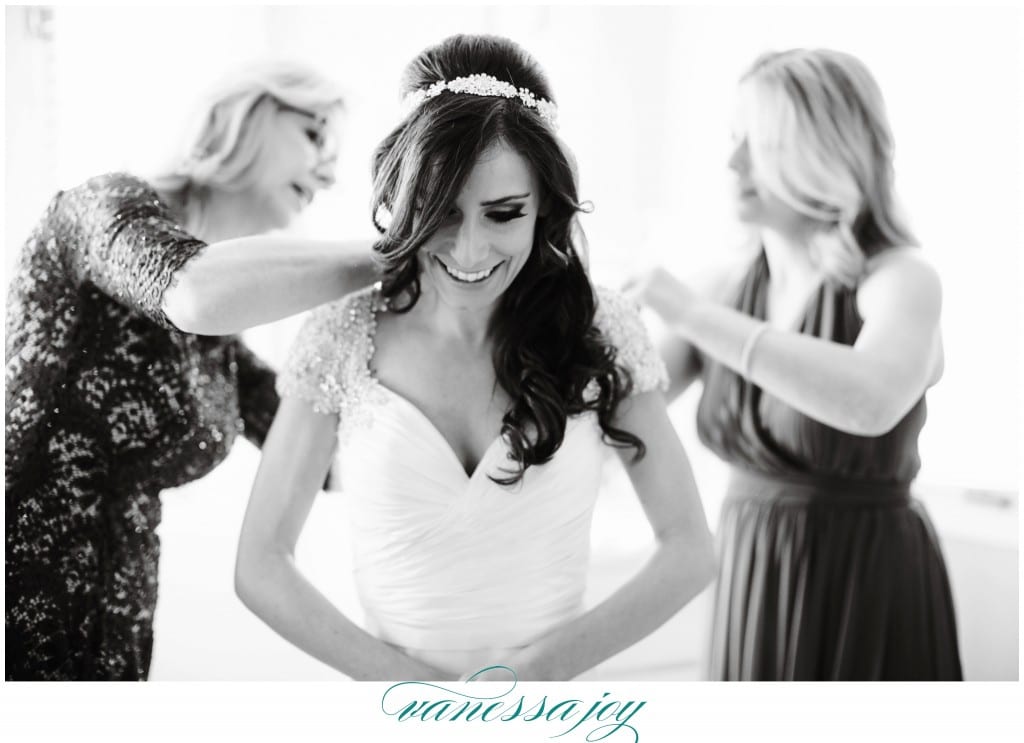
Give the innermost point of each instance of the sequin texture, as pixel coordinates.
(620, 323)
(330, 361)
(107, 405)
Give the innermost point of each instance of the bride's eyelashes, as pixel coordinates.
(501, 216)
(506, 215)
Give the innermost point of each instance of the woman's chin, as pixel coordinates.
(466, 298)
(747, 214)
(281, 218)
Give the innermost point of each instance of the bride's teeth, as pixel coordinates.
(469, 277)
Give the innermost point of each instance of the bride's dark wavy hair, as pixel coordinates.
(547, 350)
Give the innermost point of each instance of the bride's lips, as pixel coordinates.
(466, 278)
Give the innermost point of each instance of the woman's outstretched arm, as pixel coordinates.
(237, 284)
(113, 232)
(863, 389)
(296, 456)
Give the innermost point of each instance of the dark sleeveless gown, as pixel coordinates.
(829, 569)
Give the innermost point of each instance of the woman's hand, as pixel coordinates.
(662, 292)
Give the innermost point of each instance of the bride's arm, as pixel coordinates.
(682, 565)
(296, 456)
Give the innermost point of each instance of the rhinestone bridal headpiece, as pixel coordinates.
(485, 85)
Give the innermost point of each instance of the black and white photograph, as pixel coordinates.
(429, 357)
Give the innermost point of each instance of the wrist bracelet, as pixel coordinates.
(748, 347)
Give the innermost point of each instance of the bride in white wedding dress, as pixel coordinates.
(467, 403)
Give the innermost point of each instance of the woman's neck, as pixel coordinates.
(789, 258)
(225, 215)
(467, 327)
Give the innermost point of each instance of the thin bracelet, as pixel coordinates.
(748, 347)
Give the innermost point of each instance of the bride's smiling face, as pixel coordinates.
(486, 237)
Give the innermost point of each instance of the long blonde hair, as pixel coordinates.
(820, 141)
(226, 133)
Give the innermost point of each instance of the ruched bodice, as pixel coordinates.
(455, 568)
(439, 555)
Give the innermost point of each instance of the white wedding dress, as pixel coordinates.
(456, 570)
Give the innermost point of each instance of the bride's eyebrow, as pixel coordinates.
(503, 199)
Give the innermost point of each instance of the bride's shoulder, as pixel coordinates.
(351, 314)
(329, 356)
(619, 321)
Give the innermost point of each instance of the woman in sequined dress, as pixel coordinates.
(468, 403)
(122, 376)
(815, 358)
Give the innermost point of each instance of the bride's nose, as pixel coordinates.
(470, 248)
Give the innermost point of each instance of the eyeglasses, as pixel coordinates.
(324, 138)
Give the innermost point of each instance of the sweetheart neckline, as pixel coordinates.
(376, 305)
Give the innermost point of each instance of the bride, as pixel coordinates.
(467, 403)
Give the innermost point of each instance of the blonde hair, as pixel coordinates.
(820, 141)
(227, 132)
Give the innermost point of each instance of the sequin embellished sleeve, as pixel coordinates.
(257, 396)
(620, 323)
(121, 238)
(328, 362)
(110, 233)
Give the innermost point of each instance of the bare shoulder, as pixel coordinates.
(902, 277)
(346, 312)
(327, 363)
(906, 259)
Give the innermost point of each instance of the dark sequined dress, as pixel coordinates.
(829, 569)
(107, 405)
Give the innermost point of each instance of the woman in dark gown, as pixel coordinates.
(122, 378)
(815, 362)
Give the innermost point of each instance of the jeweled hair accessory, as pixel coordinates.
(485, 85)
